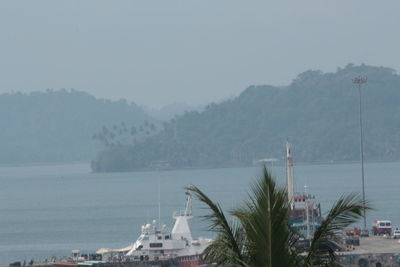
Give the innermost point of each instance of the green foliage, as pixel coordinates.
(57, 126)
(346, 211)
(262, 236)
(318, 112)
(118, 135)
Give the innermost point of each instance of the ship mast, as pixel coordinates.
(289, 173)
(188, 205)
(181, 227)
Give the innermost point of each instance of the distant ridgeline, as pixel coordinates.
(318, 112)
(58, 126)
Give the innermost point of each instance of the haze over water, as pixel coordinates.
(50, 210)
(160, 52)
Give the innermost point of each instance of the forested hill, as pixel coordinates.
(57, 126)
(317, 112)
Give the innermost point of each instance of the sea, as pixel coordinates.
(49, 210)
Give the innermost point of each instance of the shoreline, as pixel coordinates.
(279, 163)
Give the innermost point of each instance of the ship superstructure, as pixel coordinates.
(159, 242)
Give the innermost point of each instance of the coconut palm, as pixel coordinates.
(261, 234)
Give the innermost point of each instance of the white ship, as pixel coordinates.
(158, 243)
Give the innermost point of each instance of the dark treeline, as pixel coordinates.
(318, 112)
(58, 126)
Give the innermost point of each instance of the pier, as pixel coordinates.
(374, 251)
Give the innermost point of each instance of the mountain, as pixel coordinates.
(317, 112)
(169, 111)
(57, 126)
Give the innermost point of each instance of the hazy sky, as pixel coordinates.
(159, 52)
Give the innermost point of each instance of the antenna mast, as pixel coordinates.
(289, 173)
(188, 205)
(307, 212)
(159, 205)
(359, 81)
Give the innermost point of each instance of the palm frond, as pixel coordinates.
(265, 221)
(228, 247)
(262, 234)
(346, 211)
(220, 250)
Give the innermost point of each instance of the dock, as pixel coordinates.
(374, 251)
(377, 244)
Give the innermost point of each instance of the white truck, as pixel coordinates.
(382, 227)
(396, 234)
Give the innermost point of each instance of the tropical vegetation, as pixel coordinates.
(261, 234)
(58, 125)
(318, 112)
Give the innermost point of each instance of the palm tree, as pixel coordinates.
(262, 235)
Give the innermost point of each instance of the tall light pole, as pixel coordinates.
(360, 80)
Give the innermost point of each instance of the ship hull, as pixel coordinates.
(190, 261)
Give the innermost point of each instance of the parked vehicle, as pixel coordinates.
(382, 227)
(364, 233)
(396, 234)
(352, 232)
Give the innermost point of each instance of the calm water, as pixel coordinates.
(50, 210)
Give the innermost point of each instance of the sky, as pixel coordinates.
(156, 53)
